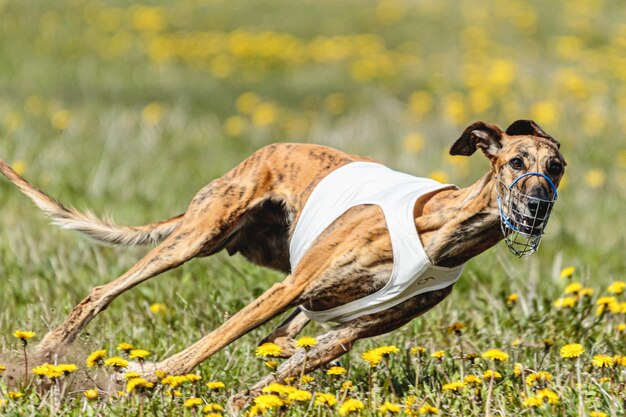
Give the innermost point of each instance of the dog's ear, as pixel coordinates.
(529, 128)
(481, 135)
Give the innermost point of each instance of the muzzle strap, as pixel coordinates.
(523, 218)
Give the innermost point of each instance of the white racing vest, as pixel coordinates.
(396, 193)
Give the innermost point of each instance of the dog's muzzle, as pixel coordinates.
(523, 218)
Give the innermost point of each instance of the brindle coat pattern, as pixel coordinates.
(253, 209)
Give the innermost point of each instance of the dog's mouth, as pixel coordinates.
(523, 217)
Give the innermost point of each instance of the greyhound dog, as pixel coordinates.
(255, 208)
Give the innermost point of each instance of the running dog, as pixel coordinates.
(390, 249)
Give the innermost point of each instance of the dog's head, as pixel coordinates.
(528, 168)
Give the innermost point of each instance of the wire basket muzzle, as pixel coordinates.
(523, 218)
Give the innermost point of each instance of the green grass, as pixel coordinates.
(129, 111)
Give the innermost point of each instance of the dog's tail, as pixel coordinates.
(87, 223)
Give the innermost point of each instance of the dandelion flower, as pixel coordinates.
(568, 272)
(336, 370)
(138, 384)
(306, 379)
(347, 385)
(193, 402)
(325, 399)
(271, 364)
(573, 288)
(602, 361)
(572, 350)
(565, 302)
(14, 395)
(306, 342)
(532, 402)
(438, 354)
(496, 355)
(387, 350)
(418, 350)
(472, 379)
(125, 347)
(428, 409)
(372, 357)
(488, 374)
(116, 362)
(388, 407)
(586, 292)
(349, 406)
(456, 328)
(453, 386)
(269, 349)
(617, 287)
(96, 358)
(158, 308)
(540, 377)
(2, 369)
(173, 381)
(67, 368)
(212, 407)
(619, 360)
(512, 299)
(130, 375)
(138, 354)
(91, 394)
(548, 395)
(24, 335)
(598, 414)
(193, 378)
(517, 369)
(280, 389)
(215, 385)
(300, 395)
(268, 401)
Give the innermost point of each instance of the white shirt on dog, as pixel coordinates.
(360, 183)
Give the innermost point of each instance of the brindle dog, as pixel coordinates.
(253, 209)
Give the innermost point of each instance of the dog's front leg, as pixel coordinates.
(271, 303)
(284, 335)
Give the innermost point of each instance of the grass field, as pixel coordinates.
(128, 109)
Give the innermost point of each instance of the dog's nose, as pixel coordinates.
(538, 208)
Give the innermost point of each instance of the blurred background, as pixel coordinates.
(129, 108)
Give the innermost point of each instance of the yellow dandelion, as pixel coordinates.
(347, 385)
(453, 386)
(516, 342)
(212, 407)
(496, 355)
(300, 395)
(96, 358)
(572, 350)
(540, 378)
(517, 369)
(568, 272)
(418, 350)
(472, 379)
(271, 364)
(602, 361)
(173, 381)
(547, 395)
(488, 374)
(125, 347)
(349, 406)
(67, 368)
(573, 288)
(325, 399)
(2, 369)
(548, 343)
(215, 385)
(565, 302)
(372, 357)
(280, 389)
(152, 113)
(137, 384)
(336, 370)
(116, 362)
(456, 327)
(428, 409)
(438, 354)
(60, 120)
(621, 327)
(532, 402)
(306, 342)
(91, 394)
(586, 292)
(617, 287)
(158, 308)
(138, 354)
(130, 375)
(24, 335)
(605, 301)
(19, 167)
(598, 414)
(306, 379)
(14, 395)
(388, 407)
(269, 349)
(268, 401)
(193, 402)
(619, 360)
(512, 299)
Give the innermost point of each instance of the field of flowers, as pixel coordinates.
(129, 108)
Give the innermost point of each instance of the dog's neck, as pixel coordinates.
(458, 224)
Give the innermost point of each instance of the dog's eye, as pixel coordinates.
(516, 163)
(555, 168)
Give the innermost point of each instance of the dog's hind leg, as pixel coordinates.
(284, 335)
